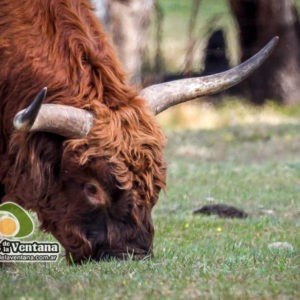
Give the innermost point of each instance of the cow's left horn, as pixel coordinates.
(164, 95)
(60, 119)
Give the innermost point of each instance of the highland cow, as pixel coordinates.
(89, 160)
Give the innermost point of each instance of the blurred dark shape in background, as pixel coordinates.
(215, 54)
(279, 76)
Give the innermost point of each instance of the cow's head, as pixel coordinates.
(111, 166)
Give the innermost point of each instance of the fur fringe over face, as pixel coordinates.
(93, 194)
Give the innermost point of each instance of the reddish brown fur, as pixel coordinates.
(59, 44)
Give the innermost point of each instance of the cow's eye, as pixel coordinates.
(90, 188)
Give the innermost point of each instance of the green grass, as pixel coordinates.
(255, 167)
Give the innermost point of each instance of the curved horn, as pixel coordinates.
(164, 95)
(60, 119)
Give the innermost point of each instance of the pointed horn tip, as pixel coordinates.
(25, 118)
(41, 96)
(44, 91)
(275, 40)
(272, 43)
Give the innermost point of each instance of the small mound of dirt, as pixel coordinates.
(222, 210)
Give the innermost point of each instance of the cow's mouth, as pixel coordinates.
(133, 254)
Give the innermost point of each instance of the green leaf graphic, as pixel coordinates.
(26, 224)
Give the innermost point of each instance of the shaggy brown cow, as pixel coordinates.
(90, 164)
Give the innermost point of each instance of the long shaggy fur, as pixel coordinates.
(59, 44)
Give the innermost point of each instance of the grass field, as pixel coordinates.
(254, 166)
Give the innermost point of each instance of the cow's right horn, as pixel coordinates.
(60, 119)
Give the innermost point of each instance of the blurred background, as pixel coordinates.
(162, 40)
